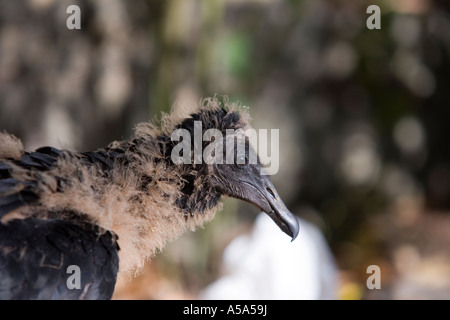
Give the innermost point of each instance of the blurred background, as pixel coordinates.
(363, 118)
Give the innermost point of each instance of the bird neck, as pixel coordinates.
(148, 200)
(132, 189)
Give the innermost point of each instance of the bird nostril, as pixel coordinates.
(271, 193)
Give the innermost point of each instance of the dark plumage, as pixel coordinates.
(35, 256)
(61, 208)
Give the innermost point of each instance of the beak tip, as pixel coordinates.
(287, 222)
(295, 228)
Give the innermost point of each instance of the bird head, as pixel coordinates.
(221, 154)
(246, 181)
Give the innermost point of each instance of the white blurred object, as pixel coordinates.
(266, 265)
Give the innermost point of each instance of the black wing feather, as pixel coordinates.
(41, 159)
(35, 255)
(16, 193)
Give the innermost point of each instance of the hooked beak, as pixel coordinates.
(265, 196)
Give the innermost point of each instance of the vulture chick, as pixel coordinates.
(112, 209)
